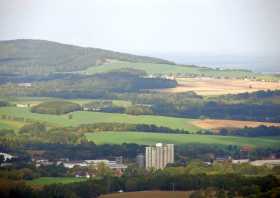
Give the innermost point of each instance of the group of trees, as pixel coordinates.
(85, 151)
(30, 171)
(209, 152)
(95, 86)
(259, 95)
(258, 106)
(260, 131)
(7, 132)
(109, 107)
(39, 132)
(3, 103)
(102, 127)
(56, 107)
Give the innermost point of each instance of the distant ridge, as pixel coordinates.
(27, 56)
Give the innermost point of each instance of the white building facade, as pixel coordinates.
(159, 156)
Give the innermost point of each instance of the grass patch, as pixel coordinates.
(152, 138)
(150, 68)
(55, 180)
(10, 124)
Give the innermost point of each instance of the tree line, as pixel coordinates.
(236, 185)
(260, 131)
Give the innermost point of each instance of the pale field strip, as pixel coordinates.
(218, 124)
(212, 86)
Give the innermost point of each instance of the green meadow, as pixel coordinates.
(84, 117)
(150, 68)
(155, 68)
(55, 180)
(152, 138)
(10, 124)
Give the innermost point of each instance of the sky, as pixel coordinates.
(175, 29)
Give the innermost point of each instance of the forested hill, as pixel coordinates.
(42, 57)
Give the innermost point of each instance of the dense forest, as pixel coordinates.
(95, 86)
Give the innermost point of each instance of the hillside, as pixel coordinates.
(42, 57)
(32, 60)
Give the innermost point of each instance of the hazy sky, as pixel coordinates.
(239, 27)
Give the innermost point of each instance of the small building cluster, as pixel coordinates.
(23, 105)
(269, 162)
(116, 166)
(24, 84)
(6, 159)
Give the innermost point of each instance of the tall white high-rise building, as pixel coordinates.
(159, 156)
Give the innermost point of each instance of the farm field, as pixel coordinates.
(55, 180)
(212, 86)
(218, 124)
(83, 117)
(145, 138)
(148, 194)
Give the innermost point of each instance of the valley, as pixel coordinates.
(70, 113)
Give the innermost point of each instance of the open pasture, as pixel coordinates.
(150, 68)
(145, 138)
(169, 69)
(213, 86)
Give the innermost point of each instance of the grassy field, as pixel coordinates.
(83, 117)
(212, 86)
(152, 68)
(149, 194)
(55, 180)
(152, 138)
